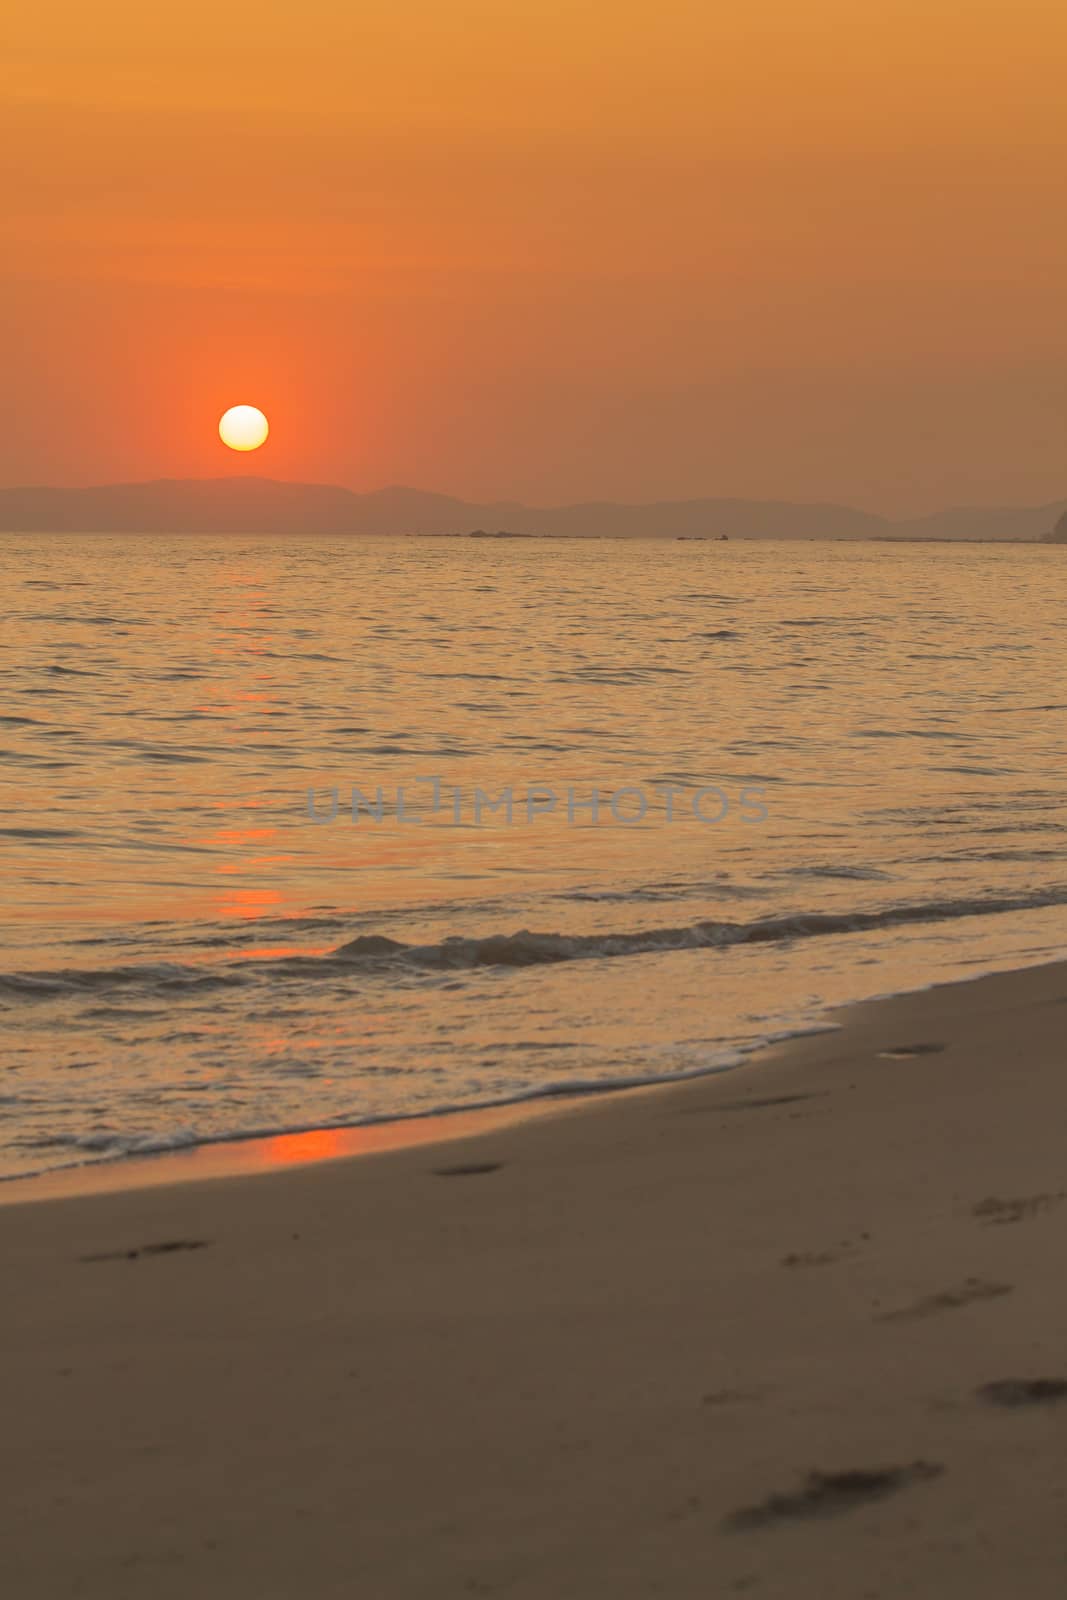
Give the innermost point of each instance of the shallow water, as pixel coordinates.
(190, 954)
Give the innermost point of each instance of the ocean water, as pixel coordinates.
(823, 772)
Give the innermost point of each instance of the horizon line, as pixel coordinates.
(438, 494)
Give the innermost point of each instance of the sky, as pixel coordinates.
(541, 250)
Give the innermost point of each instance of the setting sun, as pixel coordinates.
(243, 428)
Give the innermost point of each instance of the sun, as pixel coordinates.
(243, 428)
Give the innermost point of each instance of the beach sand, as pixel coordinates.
(797, 1330)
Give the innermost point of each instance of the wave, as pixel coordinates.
(159, 976)
(527, 948)
(379, 954)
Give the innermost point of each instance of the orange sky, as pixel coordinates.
(541, 249)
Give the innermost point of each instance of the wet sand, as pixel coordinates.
(797, 1331)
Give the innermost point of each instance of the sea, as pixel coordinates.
(309, 833)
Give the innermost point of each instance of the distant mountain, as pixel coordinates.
(1059, 532)
(984, 522)
(265, 505)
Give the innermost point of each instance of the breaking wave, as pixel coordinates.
(378, 954)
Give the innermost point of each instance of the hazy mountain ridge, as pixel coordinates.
(985, 522)
(267, 505)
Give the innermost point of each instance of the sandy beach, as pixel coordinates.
(796, 1330)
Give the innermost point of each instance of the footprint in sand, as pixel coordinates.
(827, 1494)
(948, 1300)
(165, 1248)
(1014, 1393)
(812, 1258)
(905, 1052)
(731, 1397)
(825, 1258)
(1000, 1211)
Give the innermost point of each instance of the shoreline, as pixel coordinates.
(796, 1331)
(259, 1154)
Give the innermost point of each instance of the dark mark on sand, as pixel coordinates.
(754, 1104)
(730, 1397)
(1016, 1392)
(1002, 1211)
(811, 1258)
(165, 1248)
(826, 1494)
(948, 1300)
(474, 1170)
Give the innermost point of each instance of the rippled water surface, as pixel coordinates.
(191, 953)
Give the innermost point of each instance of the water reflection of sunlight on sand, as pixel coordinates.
(325, 1144)
(294, 1149)
(277, 1152)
